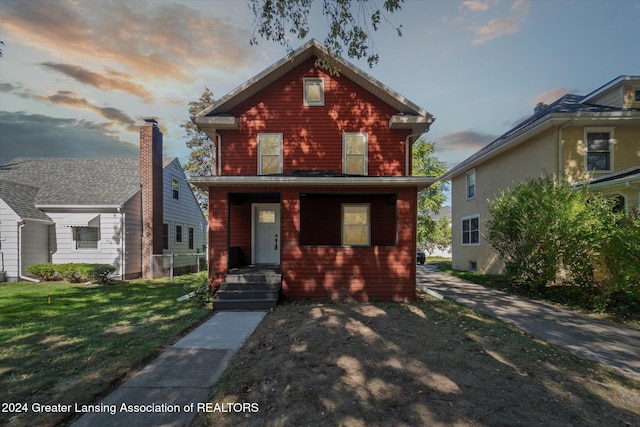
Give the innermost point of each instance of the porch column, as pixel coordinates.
(218, 235)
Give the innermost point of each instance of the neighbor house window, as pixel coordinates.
(178, 233)
(356, 224)
(269, 153)
(192, 236)
(313, 91)
(86, 237)
(471, 184)
(598, 153)
(471, 230)
(175, 187)
(636, 95)
(165, 236)
(354, 151)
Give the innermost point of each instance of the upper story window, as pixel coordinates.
(356, 224)
(269, 153)
(471, 230)
(175, 187)
(354, 153)
(313, 91)
(471, 184)
(598, 149)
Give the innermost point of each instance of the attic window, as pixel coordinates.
(313, 91)
(175, 187)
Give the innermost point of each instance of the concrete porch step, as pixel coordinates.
(249, 289)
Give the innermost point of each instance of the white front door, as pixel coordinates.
(266, 233)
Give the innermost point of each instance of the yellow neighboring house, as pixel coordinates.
(592, 139)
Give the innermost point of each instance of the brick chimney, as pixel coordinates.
(151, 185)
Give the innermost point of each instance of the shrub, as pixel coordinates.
(547, 231)
(72, 272)
(45, 271)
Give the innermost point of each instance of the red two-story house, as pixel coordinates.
(314, 176)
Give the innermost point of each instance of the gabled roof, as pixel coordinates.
(568, 107)
(311, 49)
(76, 181)
(21, 198)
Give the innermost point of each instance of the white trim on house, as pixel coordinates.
(261, 154)
(593, 130)
(470, 173)
(364, 154)
(462, 232)
(308, 83)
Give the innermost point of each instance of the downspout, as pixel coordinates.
(123, 247)
(408, 151)
(30, 279)
(218, 168)
(560, 172)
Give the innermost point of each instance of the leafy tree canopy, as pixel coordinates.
(349, 24)
(202, 159)
(431, 234)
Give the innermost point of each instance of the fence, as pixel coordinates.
(172, 264)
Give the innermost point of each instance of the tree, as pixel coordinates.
(431, 234)
(202, 159)
(547, 231)
(349, 24)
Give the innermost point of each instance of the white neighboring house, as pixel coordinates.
(64, 210)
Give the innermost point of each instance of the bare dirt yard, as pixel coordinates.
(425, 363)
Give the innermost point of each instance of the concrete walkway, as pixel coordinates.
(603, 341)
(167, 391)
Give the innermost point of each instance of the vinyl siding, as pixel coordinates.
(133, 236)
(9, 241)
(35, 243)
(184, 211)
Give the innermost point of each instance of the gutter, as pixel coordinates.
(20, 275)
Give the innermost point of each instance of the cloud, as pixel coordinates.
(108, 83)
(36, 135)
(464, 140)
(476, 5)
(499, 26)
(68, 98)
(495, 28)
(155, 40)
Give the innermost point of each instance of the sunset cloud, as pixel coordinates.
(150, 40)
(69, 99)
(115, 81)
(498, 27)
(464, 140)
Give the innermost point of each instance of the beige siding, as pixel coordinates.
(527, 160)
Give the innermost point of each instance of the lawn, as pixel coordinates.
(66, 344)
(570, 297)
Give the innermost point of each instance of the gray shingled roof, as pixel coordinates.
(73, 181)
(21, 198)
(567, 104)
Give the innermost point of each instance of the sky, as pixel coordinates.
(78, 76)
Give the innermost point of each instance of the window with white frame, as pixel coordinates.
(313, 91)
(471, 230)
(86, 237)
(356, 224)
(471, 184)
(598, 149)
(269, 153)
(354, 149)
(175, 188)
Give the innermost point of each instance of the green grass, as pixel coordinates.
(571, 297)
(65, 343)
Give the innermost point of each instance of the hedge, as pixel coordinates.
(72, 272)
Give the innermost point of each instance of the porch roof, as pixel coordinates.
(419, 182)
